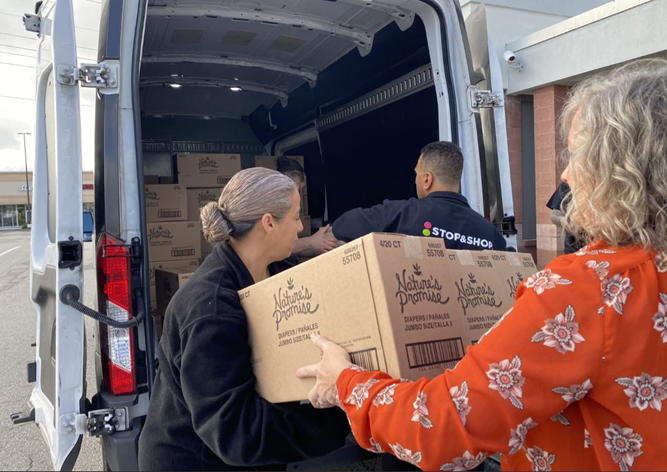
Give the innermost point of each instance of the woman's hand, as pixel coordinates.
(334, 360)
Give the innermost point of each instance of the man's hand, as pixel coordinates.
(322, 241)
(334, 360)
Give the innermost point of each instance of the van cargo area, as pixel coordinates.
(218, 96)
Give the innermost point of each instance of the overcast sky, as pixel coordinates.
(17, 79)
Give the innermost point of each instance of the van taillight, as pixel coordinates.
(115, 300)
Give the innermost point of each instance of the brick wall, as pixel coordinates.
(549, 102)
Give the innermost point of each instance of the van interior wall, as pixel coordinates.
(197, 129)
(372, 157)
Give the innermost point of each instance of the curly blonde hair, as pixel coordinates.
(618, 164)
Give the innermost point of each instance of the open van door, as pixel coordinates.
(59, 395)
(487, 95)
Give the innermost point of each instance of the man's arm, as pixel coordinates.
(361, 221)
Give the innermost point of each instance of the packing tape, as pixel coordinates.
(465, 257)
(514, 259)
(413, 247)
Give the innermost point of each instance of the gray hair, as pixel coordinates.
(248, 196)
(619, 164)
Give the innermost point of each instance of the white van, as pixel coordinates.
(355, 86)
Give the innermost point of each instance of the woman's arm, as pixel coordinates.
(233, 421)
(541, 357)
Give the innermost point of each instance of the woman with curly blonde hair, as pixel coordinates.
(574, 377)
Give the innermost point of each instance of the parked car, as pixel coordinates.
(357, 87)
(88, 226)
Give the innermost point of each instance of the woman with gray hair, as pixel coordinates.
(204, 412)
(574, 376)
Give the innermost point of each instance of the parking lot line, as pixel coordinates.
(9, 250)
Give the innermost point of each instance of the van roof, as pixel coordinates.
(267, 48)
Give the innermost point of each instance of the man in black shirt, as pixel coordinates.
(440, 211)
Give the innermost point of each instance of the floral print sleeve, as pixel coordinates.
(522, 378)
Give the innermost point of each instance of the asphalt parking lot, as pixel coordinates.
(22, 447)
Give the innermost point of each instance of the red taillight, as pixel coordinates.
(115, 300)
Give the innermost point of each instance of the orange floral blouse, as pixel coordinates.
(573, 377)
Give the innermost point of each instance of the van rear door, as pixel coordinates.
(59, 395)
(487, 94)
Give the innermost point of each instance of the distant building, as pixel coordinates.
(14, 197)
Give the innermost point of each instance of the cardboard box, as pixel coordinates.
(396, 303)
(167, 283)
(153, 266)
(199, 197)
(304, 204)
(179, 240)
(200, 170)
(271, 162)
(165, 203)
(166, 180)
(478, 291)
(381, 297)
(307, 226)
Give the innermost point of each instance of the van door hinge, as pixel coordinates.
(96, 423)
(102, 76)
(32, 23)
(484, 99)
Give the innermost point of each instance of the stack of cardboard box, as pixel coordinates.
(175, 240)
(271, 162)
(172, 240)
(404, 305)
(204, 176)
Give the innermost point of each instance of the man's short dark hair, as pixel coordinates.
(444, 160)
(290, 167)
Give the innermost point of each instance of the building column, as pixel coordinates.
(549, 102)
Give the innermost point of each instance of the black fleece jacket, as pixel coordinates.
(204, 413)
